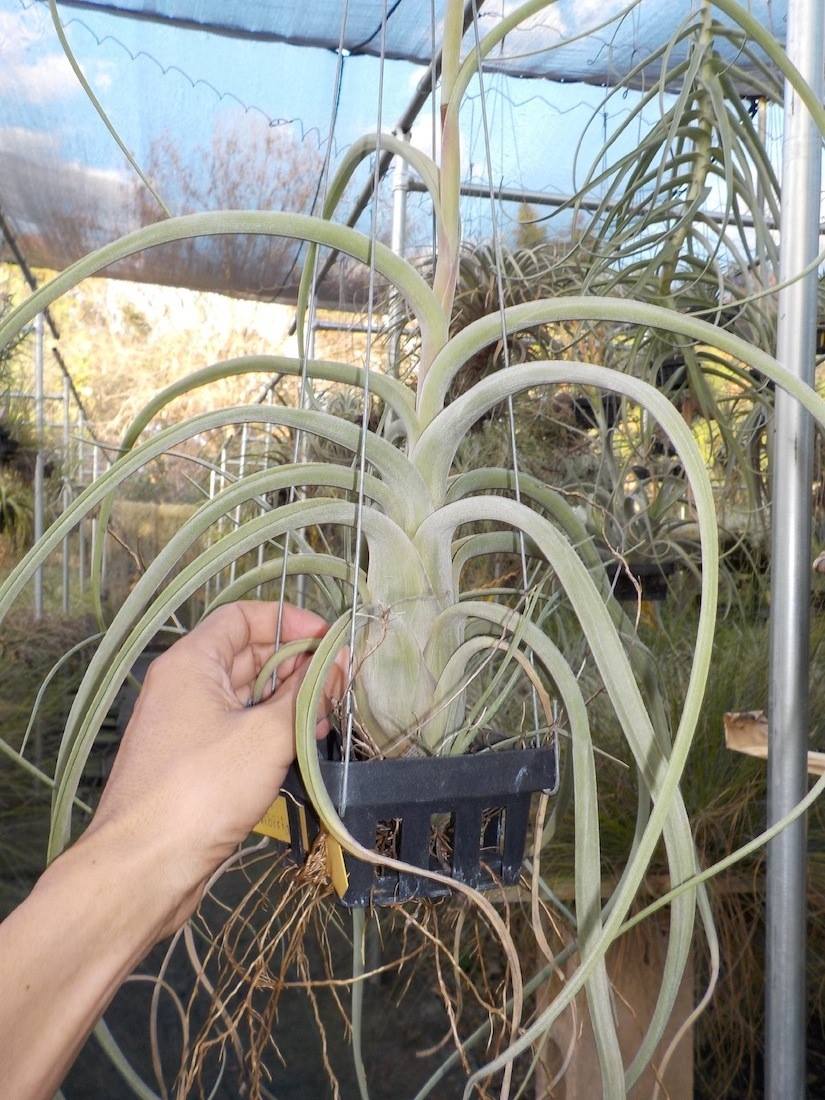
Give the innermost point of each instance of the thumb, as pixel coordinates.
(270, 724)
(332, 690)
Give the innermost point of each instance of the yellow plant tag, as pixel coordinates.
(336, 868)
(275, 823)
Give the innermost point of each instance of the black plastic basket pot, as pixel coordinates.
(653, 577)
(478, 805)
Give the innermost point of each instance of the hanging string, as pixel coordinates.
(365, 416)
(511, 420)
(308, 347)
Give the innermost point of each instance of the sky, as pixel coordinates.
(154, 79)
(139, 69)
(162, 84)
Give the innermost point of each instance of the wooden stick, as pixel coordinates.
(746, 731)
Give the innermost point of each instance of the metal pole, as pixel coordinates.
(95, 533)
(222, 465)
(241, 472)
(400, 189)
(300, 580)
(264, 466)
(81, 481)
(208, 583)
(40, 459)
(66, 493)
(557, 200)
(104, 546)
(785, 999)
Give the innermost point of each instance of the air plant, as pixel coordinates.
(652, 236)
(418, 633)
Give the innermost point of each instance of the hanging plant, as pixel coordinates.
(410, 527)
(652, 236)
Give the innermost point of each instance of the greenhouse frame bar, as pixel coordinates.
(785, 915)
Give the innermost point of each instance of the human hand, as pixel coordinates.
(195, 771)
(197, 767)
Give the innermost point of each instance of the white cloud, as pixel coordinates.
(27, 143)
(44, 150)
(101, 74)
(49, 77)
(31, 67)
(21, 29)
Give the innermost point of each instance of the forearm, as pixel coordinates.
(195, 770)
(91, 918)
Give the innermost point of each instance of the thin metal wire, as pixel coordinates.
(309, 342)
(433, 116)
(264, 465)
(365, 417)
(511, 420)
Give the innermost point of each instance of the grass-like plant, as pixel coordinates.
(16, 510)
(413, 526)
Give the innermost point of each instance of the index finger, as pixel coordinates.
(236, 627)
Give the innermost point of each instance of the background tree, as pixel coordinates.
(530, 231)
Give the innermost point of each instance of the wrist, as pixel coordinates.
(136, 885)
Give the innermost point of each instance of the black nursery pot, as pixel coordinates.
(481, 802)
(653, 578)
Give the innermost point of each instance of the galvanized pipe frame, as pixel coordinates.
(786, 901)
(73, 473)
(66, 494)
(40, 459)
(39, 397)
(556, 200)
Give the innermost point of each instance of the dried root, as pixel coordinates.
(285, 933)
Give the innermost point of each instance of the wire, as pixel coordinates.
(433, 121)
(504, 335)
(365, 418)
(380, 29)
(308, 344)
(323, 176)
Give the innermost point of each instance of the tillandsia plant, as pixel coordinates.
(686, 221)
(419, 634)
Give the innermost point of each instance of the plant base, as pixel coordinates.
(463, 816)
